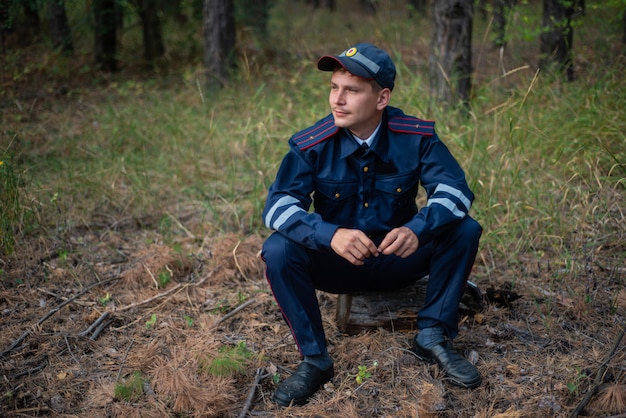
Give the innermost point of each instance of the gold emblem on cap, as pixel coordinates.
(351, 52)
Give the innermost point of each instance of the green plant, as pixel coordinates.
(151, 322)
(574, 386)
(164, 278)
(364, 372)
(104, 299)
(188, 320)
(63, 254)
(230, 360)
(131, 389)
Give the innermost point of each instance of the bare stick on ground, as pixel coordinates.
(18, 341)
(258, 378)
(598, 380)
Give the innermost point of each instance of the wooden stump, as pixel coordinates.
(393, 309)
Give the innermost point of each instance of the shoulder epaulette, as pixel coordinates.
(412, 125)
(317, 133)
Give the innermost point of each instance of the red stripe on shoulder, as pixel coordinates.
(411, 125)
(315, 134)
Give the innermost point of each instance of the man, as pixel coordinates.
(361, 166)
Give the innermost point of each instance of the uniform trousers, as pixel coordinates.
(294, 272)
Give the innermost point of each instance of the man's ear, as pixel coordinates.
(383, 98)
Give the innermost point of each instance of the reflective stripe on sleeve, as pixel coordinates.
(283, 201)
(454, 192)
(448, 204)
(286, 215)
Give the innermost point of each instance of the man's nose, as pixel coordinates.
(339, 97)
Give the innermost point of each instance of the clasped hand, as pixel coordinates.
(355, 246)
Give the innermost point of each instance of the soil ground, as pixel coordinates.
(538, 354)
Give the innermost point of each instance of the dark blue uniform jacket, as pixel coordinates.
(373, 193)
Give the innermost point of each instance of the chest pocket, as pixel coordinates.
(399, 191)
(332, 199)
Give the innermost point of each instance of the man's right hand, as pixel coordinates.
(353, 245)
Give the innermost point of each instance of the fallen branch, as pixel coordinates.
(95, 324)
(31, 371)
(599, 376)
(119, 372)
(258, 378)
(179, 286)
(98, 330)
(235, 311)
(52, 312)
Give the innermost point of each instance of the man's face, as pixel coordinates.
(355, 104)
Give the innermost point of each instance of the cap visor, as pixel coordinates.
(330, 63)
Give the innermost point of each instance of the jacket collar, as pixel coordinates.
(380, 144)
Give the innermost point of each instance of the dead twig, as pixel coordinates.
(235, 311)
(599, 375)
(98, 330)
(95, 324)
(18, 341)
(179, 286)
(119, 372)
(258, 378)
(32, 370)
(237, 261)
(36, 409)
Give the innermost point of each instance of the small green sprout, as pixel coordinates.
(151, 322)
(105, 299)
(364, 372)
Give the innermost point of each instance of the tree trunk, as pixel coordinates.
(254, 15)
(369, 6)
(451, 50)
(32, 22)
(557, 36)
(219, 40)
(329, 4)
(152, 34)
(4, 25)
(418, 7)
(501, 10)
(624, 27)
(393, 309)
(59, 27)
(105, 36)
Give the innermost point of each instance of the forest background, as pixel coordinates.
(131, 202)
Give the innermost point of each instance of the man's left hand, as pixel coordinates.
(399, 241)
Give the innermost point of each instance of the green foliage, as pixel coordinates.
(230, 360)
(574, 386)
(164, 278)
(104, 300)
(131, 389)
(364, 372)
(151, 322)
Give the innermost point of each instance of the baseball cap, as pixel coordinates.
(363, 60)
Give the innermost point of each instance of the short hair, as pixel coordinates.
(376, 88)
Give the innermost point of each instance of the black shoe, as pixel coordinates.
(304, 382)
(459, 371)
